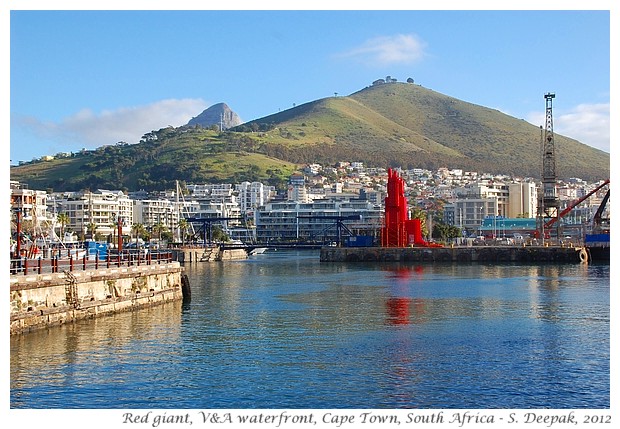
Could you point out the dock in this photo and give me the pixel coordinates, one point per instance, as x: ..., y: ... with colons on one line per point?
x: 457, y: 254
x: 207, y: 254
x: 41, y: 300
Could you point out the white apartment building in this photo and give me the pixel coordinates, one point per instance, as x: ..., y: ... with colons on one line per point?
x: 478, y: 201
x: 212, y: 209
x: 252, y: 195
x: 101, y: 208
x: 31, y: 203
x: 297, y: 193
x: 218, y: 191
x: 487, y: 189
x: 214, y: 200
x: 315, y: 221
x: 153, y: 212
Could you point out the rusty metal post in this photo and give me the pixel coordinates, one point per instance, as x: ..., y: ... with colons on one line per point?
x: 119, y: 225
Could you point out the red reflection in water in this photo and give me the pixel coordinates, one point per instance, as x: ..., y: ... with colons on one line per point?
x: 399, y: 307
x: 398, y: 311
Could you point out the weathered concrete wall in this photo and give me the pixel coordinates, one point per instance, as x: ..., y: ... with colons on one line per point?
x: 477, y: 254
x: 210, y: 254
x: 42, y: 300
x: 233, y: 254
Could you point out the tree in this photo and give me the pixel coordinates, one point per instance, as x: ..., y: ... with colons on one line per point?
x: 167, y: 235
x: 446, y: 232
x: 218, y: 234
x: 159, y: 228
x: 183, y: 228
x: 139, y: 230
x: 63, y: 220
x: 91, y: 229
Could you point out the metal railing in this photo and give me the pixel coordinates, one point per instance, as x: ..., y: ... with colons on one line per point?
x: 56, y: 263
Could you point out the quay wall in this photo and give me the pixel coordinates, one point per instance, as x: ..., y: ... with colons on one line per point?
x: 457, y: 254
x: 42, y: 300
x: 209, y: 254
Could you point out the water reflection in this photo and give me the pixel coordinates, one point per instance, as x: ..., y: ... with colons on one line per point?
x: 91, y: 352
x: 286, y: 331
x: 399, y: 302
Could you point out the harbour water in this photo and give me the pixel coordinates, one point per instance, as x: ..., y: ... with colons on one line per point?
x: 283, y: 330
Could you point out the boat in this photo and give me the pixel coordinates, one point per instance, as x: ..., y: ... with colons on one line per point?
x: 597, y: 241
x: 598, y: 246
x: 258, y: 251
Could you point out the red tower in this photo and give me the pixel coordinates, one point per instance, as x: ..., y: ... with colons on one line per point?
x: 393, y: 233
x: 398, y: 229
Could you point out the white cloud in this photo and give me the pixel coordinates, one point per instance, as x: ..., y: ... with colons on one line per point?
x: 89, y: 130
x: 388, y: 50
x: 587, y: 123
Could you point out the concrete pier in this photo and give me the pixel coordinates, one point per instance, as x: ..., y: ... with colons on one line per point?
x: 42, y: 300
x: 207, y: 254
x: 464, y: 254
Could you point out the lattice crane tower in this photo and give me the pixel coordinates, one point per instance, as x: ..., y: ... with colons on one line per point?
x: 549, y: 202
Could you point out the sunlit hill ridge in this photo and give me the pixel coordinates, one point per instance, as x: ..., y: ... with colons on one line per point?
x: 392, y: 124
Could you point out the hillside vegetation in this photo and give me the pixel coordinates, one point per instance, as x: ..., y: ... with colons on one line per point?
x: 395, y: 124
x: 399, y: 124
x: 190, y: 155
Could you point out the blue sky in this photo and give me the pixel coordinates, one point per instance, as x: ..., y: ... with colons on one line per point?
x: 82, y: 79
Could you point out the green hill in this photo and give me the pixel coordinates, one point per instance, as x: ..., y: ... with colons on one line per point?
x: 408, y: 125
x: 395, y: 124
x: 192, y: 155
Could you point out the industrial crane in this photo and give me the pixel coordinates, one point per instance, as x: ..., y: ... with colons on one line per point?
x: 598, y: 223
x: 548, y: 201
x: 547, y: 226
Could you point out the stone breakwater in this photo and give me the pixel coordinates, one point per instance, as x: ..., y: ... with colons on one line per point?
x: 465, y: 254
x: 43, y: 300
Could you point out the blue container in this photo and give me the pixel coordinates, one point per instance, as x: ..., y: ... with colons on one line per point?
x: 597, y: 238
x: 359, y: 241
x: 93, y: 248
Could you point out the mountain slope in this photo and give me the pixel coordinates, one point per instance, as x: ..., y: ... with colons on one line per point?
x: 406, y: 124
x: 189, y: 154
x: 395, y: 124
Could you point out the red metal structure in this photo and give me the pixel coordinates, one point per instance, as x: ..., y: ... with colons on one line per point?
x: 393, y: 233
x: 398, y: 229
x: 547, y: 226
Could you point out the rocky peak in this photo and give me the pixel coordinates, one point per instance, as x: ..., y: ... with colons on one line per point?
x: 218, y: 114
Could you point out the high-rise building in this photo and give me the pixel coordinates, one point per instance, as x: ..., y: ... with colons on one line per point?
x: 522, y: 200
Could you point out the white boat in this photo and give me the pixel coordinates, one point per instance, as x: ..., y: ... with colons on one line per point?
x: 258, y: 250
